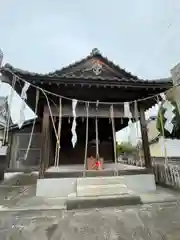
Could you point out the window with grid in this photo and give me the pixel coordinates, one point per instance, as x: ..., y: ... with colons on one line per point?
x: 34, y: 153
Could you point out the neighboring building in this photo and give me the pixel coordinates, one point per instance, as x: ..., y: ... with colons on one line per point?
x: 158, y: 145
x: 5, y: 120
x: 5, y: 117
x: 18, y: 143
x: 172, y: 146
x: 4, y: 112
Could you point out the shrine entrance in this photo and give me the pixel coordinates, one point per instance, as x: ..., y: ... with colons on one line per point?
x: 69, y: 155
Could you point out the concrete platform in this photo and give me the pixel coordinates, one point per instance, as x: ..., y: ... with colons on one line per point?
x: 109, y: 170
x: 62, y: 187
x: 80, y: 167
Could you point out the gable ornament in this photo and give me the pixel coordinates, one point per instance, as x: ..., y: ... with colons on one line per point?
x: 97, y: 68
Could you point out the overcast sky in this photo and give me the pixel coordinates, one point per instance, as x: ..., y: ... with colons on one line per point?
x: 141, y: 36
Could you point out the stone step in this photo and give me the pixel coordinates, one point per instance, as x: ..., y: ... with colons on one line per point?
x: 99, y: 180
x: 102, y: 190
x: 101, y: 202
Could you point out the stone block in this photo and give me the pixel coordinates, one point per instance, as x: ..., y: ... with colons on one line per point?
x: 101, y: 202
x: 99, y: 180
x: 102, y: 190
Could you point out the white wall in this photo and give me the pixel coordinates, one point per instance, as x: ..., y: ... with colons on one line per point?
x: 172, y: 148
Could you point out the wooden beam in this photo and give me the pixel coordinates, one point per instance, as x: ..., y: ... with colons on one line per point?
x: 74, y: 81
x: 45, y: 143
x: 103, y: 111
x: 145, y: 142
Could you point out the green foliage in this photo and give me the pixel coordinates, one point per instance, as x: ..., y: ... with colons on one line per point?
x: 125, y: 147
x: 176, y: 122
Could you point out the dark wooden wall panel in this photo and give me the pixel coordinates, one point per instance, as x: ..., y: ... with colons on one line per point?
x: 19, y: 144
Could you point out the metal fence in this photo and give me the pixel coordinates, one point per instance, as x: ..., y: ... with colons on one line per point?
x: 165, y: 174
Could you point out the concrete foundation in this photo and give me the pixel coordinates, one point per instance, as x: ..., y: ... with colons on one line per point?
x: 95, y: 186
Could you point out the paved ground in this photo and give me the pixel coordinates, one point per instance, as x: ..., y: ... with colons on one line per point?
x: 17, y: 188
x: 18, y: 193
x: 156, y: 221
x: 148, y: 222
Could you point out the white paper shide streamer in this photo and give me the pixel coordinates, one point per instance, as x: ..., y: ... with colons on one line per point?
x: 23, y: 105
x: 73, y: 129
x: 163, y: 96
x: 169, y: 115
x: 127, y: 112
x: 1, y: 57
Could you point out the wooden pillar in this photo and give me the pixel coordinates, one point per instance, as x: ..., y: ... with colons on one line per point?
x: 45, y: 143
x: 145, y: 141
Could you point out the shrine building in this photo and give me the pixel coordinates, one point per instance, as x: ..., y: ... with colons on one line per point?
x: 101, y: 89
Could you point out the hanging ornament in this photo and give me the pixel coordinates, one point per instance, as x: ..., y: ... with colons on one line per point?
x: 69, y: 120
x: 1, y: 79
x: 24, y: 91
x: 4, y: 112
x: 136, y: 112
x: 58, y: 143
x: 167, y: 105
x: 22, y: 115
x: 114, y: 137
x: 169, y: 115
x: 1, y: 57
x: 169, y: 126
x: 130, y: 124
x: 86, y: 142
x: 132, y: 132
x: 97, y: 133
x: 23, y: 105
x: 33, y: 126
x: 127, y: 112
x: 73, y: 129
x: 121, y: 120
x: 163, y: 96
x: 10, y: 100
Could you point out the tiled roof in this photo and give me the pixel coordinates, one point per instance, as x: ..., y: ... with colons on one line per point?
x: 83, y: 69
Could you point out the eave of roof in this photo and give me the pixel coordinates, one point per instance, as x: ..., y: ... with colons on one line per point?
x: 64, y: 75
x: 15, y: 126
x: 45, y: 78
